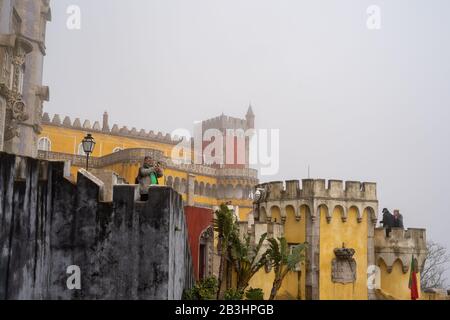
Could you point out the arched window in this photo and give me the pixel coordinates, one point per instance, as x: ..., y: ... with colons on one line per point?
x: 44, y: 144
x: 201, y: 189
x: 117, y: 149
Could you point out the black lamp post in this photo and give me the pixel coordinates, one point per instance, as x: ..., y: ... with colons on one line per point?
x: 88, y: 147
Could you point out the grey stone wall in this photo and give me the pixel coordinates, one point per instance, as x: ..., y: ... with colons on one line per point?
x: 126, y: 249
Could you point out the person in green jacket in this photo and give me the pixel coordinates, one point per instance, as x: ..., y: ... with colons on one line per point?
x: 148, y: 175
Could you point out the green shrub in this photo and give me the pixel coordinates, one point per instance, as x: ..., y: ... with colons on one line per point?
x: 254, y: 294
x: 203, y: 290
x: 233, y: 294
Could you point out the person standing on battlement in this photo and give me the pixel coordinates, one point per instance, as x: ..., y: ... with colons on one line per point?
x: 148, y: 175
x: 398, y: 219
x: 388, y: 221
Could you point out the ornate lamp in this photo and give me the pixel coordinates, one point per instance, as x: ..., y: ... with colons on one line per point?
x: 257, y: 197
x: 88, y: 147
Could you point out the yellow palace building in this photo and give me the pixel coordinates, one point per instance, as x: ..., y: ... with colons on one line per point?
x: 348, y: 257
x: 121, y: 151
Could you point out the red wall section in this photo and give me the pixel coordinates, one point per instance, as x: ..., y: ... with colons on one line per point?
x: 197, y: 219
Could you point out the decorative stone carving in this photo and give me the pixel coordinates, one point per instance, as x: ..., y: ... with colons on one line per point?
x: 343, y: 267
x: 15, y: 114
x: 208, y: 234
x: 207, y: 239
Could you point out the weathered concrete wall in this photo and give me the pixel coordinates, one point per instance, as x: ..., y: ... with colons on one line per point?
x: 126, y: 249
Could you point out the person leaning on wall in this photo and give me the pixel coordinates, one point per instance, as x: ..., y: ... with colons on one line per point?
x: 148, y: 175
x: 398, y: 219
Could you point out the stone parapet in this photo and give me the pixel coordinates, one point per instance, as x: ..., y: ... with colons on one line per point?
x: 95, y: 127
x: 318, y: 188
x: 137, y: 155
x: 400, y: 245
x: 315, y: 194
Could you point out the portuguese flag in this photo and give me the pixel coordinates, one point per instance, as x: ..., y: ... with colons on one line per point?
x: 413, y: 286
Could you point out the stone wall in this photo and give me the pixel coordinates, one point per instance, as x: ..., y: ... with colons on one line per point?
x: 22, y: 51
x: 126, y: 249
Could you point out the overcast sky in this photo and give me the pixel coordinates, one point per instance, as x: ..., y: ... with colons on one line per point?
x: 353, y: 103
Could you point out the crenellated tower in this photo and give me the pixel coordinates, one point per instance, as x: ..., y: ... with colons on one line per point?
x: 329, y: 217
x: 337, y: 220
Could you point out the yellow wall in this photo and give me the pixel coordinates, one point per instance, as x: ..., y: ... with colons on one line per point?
x: 244, y: 212
x: 332, y: 235
x: 276, y: 214
x: 295, y: 233
x: 396, y: 283
x: 67, y: 140
x: 264, y: 281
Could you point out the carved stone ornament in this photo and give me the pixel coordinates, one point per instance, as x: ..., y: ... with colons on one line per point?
x: 343, y: 267
x: 18, y: 60
x: 15, y: 114
x: 208, y: 234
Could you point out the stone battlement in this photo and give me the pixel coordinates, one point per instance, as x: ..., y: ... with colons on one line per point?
x: 318, y: 188
x: 223, y: 121
x: 400, y: 245
x: 115, y: 130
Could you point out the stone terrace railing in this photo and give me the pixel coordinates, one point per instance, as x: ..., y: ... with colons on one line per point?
x: 137, y: 155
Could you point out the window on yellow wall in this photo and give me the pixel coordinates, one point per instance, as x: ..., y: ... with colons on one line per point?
x: 44, y: 144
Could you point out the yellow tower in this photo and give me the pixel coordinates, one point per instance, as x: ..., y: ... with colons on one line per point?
x: 338, y: 221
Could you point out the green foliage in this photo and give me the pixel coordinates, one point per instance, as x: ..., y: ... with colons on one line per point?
x: 283, y: 260
x: 226, y: 228
x: 254, y: 294
x: 203, y: 290
x: 225, y: 222
x: 246, y: 259
x: 233, y: 294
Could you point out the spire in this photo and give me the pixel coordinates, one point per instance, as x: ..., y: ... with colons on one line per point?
x: 250, y: 111
x: 250, y: 117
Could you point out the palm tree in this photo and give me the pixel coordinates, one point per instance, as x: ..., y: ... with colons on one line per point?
x: 283, y: 260
x: 246, y: 259
x: 225, y: 226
